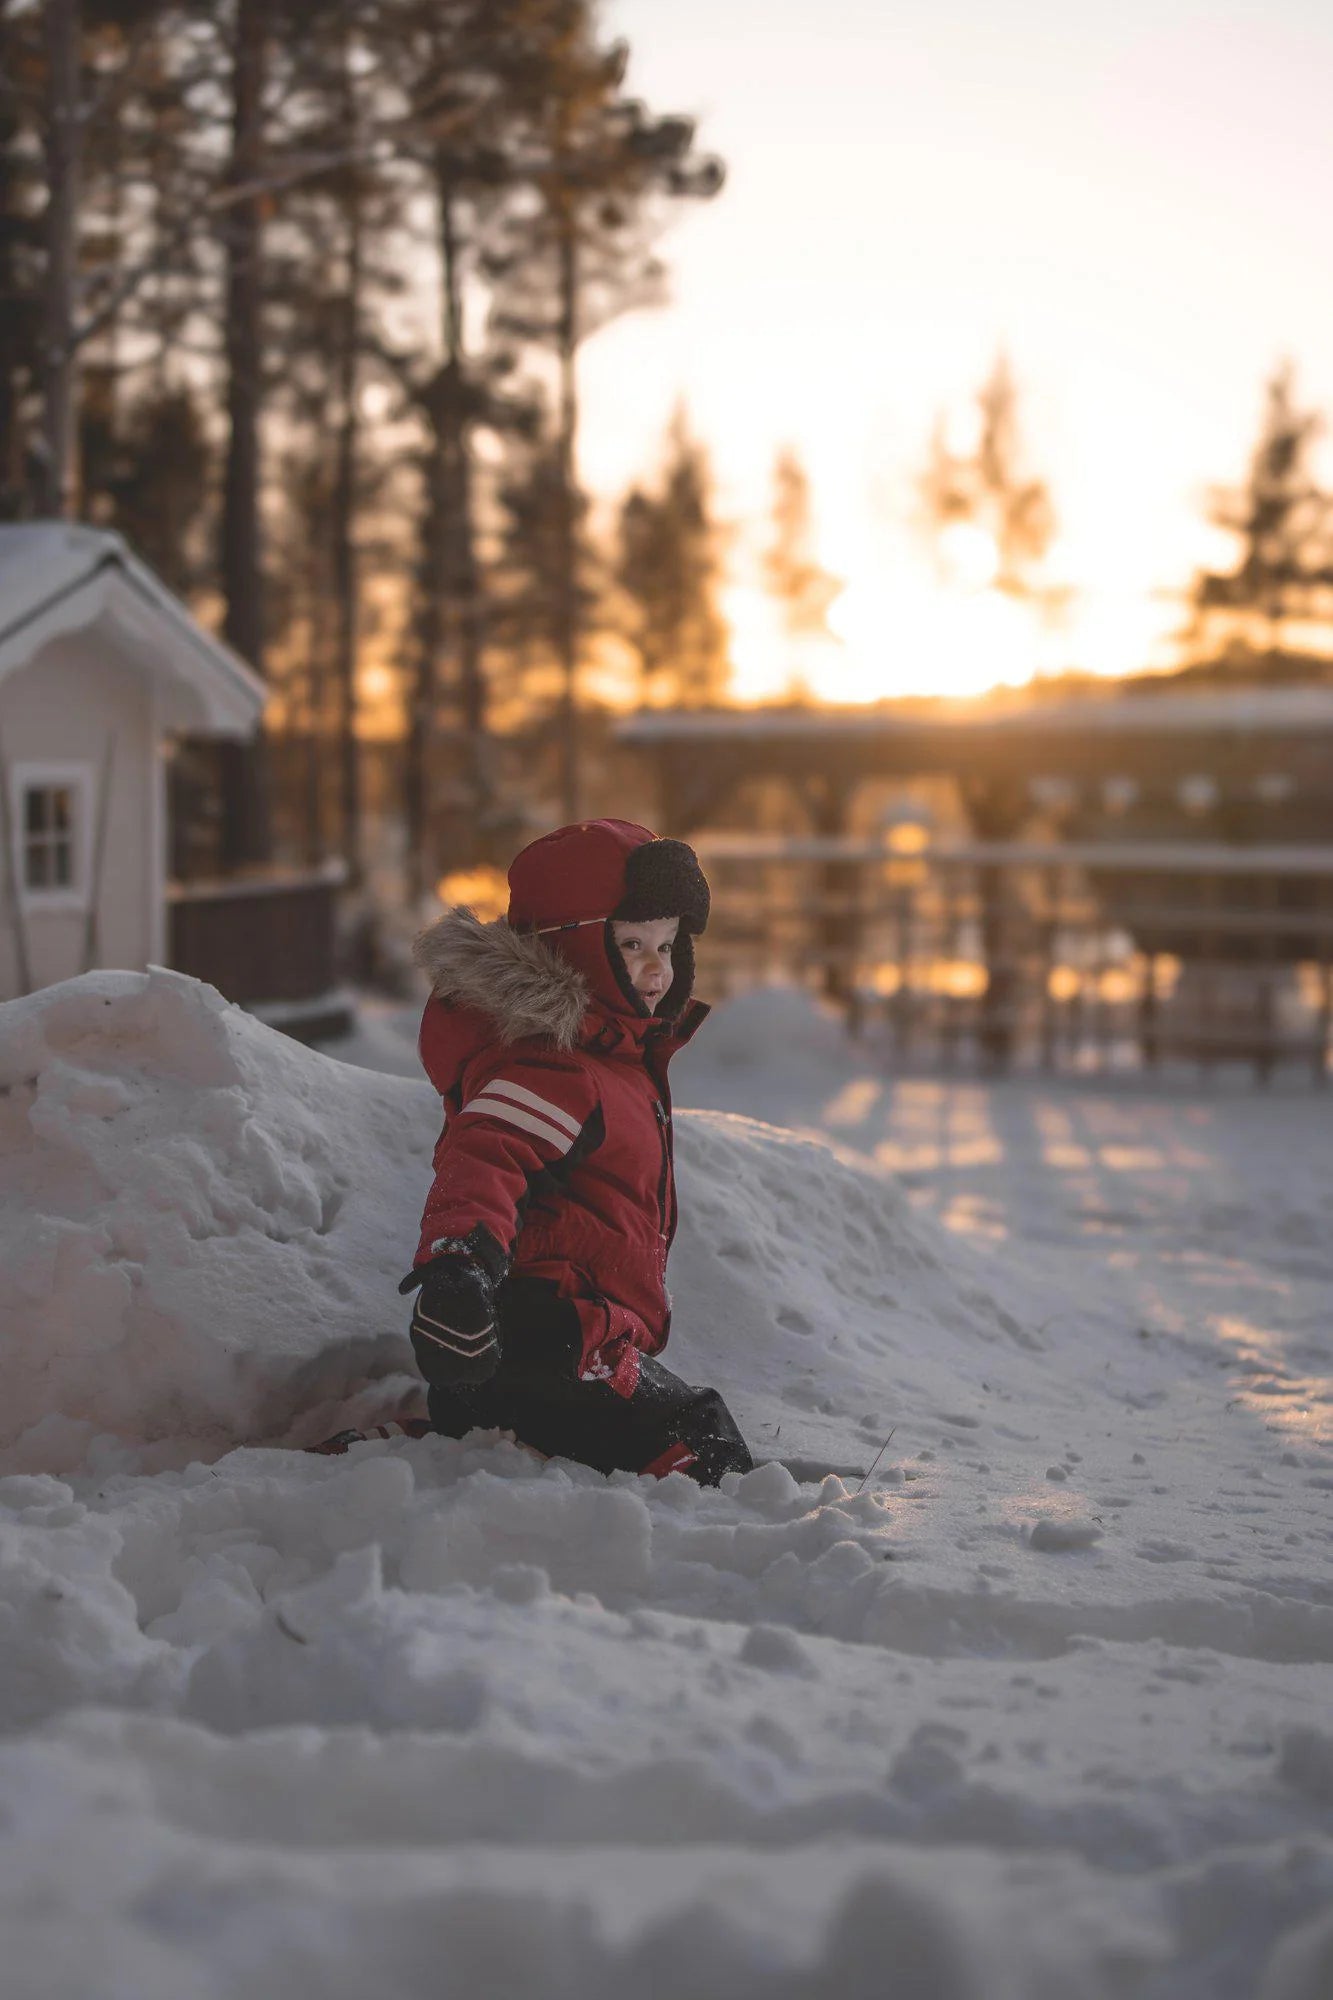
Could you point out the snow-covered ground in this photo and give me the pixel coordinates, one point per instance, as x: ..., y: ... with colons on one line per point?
x: 1042, y: 1711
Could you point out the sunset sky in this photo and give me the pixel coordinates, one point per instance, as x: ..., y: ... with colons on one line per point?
x: 1131, y: 201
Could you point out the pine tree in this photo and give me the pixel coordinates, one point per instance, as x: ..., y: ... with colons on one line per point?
x: 84, y: 65
x: 1282, y: 584
x: 460, y: 72
x: 668, y: 568
x: 150, y: 465
x: 802, y: 588
x: 528, y: 568
x: 335, y: 265
x: 986, y: 488
x: 606, y: 172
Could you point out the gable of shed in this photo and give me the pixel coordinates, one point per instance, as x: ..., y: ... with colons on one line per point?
x: 58, y: 580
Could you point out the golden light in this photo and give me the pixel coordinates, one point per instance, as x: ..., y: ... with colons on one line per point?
x: 380, y: 690
x: 484, y: 890
x: 905, y: 632
x: 1063, y: 982
x: 903, y: 874
x: 886, y: 980
x: 1116, y: 985
x: 908, y: 837
x: 959, y: 978
x: 376, y: 682
x: 970, y: 555
x: 1310, y: 981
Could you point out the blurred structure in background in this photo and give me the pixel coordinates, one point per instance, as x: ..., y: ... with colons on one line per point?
x: 1133, y: 874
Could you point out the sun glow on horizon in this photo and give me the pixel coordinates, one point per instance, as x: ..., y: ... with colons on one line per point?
x: 970, y: 555
x: 900, y: 629
x: 902, y: 634
x: 930, y: 639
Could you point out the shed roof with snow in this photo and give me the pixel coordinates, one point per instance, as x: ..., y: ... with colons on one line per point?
x: 57, y: 580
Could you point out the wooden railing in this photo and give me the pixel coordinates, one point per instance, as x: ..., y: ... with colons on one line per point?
x: 263, y: 939
x: 1080, y: 954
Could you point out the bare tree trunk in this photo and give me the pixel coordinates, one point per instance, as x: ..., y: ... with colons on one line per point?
x: 344, y: 496
x: 567, y: 606
x: 64, y: 161
x: 462, y: 580
x: 316, y: 732
x: 246, y: 833
x: 450, y: 619
x: 837, y: 929
x: 417, y: 750
x: 345, y: 590
x: 12, y: 442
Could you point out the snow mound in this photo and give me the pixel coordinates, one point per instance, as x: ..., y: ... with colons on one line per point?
x: 204, y: 1223
x: 815, y: 1295
x: 774, y: 1053
x: 777, y: 1023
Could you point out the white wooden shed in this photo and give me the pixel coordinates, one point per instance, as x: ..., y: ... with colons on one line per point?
x: 100, y: 665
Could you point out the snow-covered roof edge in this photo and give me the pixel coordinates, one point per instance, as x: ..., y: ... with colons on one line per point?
x: 57, y: 578
x: 1297, y: 710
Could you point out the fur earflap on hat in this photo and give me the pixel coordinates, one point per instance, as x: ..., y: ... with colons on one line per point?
x: 663, y: 879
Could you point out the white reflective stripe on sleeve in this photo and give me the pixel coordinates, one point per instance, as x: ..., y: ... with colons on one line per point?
x: 495, y: 1107
x: 500, y: 1086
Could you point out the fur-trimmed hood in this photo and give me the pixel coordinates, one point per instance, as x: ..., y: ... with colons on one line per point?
x: 509, y: 975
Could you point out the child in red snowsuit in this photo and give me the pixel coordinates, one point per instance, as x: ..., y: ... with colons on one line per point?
x: 541, y: 1300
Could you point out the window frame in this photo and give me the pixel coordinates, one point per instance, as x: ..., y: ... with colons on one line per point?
x: 34, y: 774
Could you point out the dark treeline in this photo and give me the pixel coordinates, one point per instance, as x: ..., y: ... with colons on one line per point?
x: 292, y: 294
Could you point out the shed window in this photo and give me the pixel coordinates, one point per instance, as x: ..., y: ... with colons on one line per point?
x: 49, y: 833
x: 48, y: 837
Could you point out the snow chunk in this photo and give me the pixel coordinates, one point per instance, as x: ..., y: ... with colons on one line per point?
x: 1301, y: 1967
x: 777, y: 1650
x: 1057, y: 1537
x: 1305, y: 1762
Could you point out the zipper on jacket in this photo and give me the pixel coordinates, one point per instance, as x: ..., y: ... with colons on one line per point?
x: 660, y: 1114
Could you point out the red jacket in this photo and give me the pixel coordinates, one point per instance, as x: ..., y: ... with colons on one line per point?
x: 557, y: 1136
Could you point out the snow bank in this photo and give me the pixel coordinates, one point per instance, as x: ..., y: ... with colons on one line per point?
x: 201, y: 1222
x: 1039, y: 1711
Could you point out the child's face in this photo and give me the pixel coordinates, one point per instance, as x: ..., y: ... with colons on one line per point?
x: 646, y: 950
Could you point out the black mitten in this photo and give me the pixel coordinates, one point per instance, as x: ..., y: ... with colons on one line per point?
x: 453, y: 1326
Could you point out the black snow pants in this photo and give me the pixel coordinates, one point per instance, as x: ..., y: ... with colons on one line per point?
x: 665, y: 1426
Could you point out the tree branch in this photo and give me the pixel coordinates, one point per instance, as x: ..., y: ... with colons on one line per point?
x: 113, y: 88
x: 220, y: 200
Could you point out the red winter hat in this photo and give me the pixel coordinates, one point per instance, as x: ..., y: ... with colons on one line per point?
x: 602, y: 868
x: 575, y: 875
